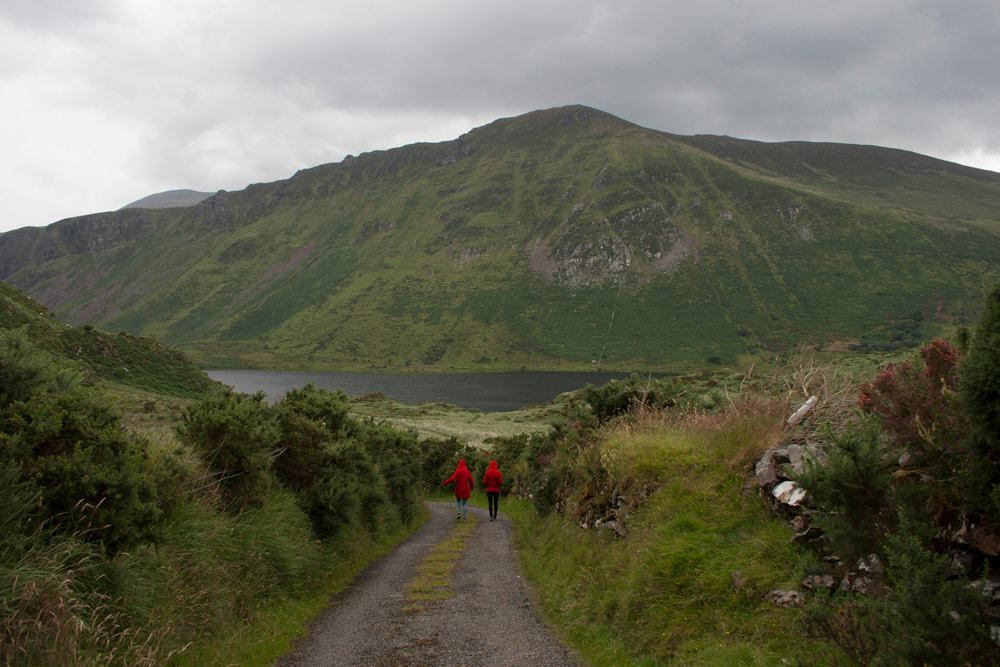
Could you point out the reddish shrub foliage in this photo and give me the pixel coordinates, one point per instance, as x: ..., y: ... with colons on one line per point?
x: 918, y: 405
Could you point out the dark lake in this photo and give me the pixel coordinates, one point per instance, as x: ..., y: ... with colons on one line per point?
x: 489, y: 392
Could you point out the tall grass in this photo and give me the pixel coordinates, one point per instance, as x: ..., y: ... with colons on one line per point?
x: 213, y: 576
x: 53, y: 609
x: 686, y: 584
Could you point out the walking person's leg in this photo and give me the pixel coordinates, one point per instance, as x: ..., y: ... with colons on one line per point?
x: 458, y: 508
x: 492, y: 498
x: 465, y: 504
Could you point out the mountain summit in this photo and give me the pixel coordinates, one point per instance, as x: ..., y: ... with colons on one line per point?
x: 563, y: 238
x: 170, y: 199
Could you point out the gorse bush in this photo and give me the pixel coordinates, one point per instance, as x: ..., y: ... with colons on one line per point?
x: 928, y: 616
x: 853, y: 492
x: 980, y: 383
x: 67, y: 453
x: 620, y: 396
x: 236, y: 435
x: 346, y: 474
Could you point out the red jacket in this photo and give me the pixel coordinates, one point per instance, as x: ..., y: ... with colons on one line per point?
x: 493, y: 479
x: 462, y: 479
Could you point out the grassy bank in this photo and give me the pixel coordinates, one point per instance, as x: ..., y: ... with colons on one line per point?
x: 686, y: 584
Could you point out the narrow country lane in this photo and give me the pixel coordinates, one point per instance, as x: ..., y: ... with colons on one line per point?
x: 488, y: 621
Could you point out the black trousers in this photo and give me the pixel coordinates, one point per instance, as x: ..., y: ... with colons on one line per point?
x: 493, y: 500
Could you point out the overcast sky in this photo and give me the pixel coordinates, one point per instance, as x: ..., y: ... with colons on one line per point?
x: 103, y: 102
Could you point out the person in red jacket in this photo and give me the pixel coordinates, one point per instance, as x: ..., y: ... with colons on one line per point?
x: 491, y: 482
x: 462, y: 479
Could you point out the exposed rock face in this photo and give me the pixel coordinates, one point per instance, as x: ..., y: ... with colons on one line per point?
x: 92, y: 233
x: 85, y: 234
x: 460, y: 148
x: 215, y: 211
x: 594, y: 252
x: 17, y: 248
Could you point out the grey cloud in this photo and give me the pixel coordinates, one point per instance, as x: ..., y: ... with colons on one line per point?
x: 220, y: 95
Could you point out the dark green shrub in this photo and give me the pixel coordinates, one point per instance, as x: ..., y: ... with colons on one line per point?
x: 26, y: 370
x: 619, y: 396
x: 438, y: 459
x: 67, y: 454
x: 347, y: 489
x: 980, y: 379
x: 609, y: 400
x: 329, y: 409
x: 852, y: 493
x: 236, y: 435
x: 395, y: 455
x: 928, y: 616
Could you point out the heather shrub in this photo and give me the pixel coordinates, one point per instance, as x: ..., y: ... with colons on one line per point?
x: 924, y: 416
x: 917, y: 404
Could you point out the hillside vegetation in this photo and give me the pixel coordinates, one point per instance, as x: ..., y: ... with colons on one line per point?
x: 131, y: 363
x: 561, y: 239
x: 123, y: 548
x: 643, y: 524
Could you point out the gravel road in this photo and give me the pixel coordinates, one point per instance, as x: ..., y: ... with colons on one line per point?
x: 489, y: 621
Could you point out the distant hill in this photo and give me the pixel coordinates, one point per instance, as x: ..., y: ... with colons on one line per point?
x: 139, y: 363
x: 561, y: 239
x: 170, y: 199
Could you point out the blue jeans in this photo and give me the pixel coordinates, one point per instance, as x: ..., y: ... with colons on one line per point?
x: 460, y: 506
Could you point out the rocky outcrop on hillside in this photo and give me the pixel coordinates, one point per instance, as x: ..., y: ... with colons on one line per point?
x: 73, y: 236
x: 18, y: 249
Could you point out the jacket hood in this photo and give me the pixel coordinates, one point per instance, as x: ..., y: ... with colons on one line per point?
x: 461, y: 464
x: 493, y: 465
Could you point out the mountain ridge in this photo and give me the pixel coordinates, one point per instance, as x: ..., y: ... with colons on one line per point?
x: 562, y: 238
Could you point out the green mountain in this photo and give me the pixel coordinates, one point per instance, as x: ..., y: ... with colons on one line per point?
x: 119, y: 359
x: 564, y: 238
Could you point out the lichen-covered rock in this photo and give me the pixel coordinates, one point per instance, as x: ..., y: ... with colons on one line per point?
x: 782, y: 598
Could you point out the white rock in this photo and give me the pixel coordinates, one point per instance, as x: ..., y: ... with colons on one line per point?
x: 789, y: 493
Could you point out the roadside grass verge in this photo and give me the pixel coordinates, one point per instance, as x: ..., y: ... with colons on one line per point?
x: 220, y: 588
x: 270, y: 633
x: 686, y: 585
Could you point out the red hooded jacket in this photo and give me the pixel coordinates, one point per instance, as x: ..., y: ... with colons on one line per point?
x: 462, y: 479
x: 493, y: 479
